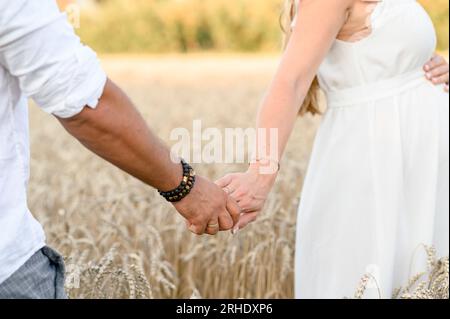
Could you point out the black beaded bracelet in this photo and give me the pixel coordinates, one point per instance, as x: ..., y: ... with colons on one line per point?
x: 185, y: 186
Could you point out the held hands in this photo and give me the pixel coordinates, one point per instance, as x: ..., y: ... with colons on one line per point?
x: 208, y: 209
x: 238, y: 198
x: 437, y: 71
x: 250, y: 190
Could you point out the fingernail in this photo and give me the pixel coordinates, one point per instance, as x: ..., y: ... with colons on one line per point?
x: 427, y: 67
x: 235, y: 230
x: 428, y: 75
x: 192, y: 229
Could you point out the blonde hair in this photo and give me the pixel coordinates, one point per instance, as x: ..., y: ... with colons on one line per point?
x: 311, y: 102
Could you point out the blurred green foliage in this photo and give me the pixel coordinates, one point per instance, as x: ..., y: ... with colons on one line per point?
x: 154, y: 26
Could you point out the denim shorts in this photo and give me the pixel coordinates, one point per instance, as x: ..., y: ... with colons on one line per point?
x: 41, y: 277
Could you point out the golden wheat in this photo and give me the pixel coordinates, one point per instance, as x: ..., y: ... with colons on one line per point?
x: 121, y: 240
x: 433, y: 283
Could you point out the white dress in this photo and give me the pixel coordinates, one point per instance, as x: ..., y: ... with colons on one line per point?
x: 377, y: 182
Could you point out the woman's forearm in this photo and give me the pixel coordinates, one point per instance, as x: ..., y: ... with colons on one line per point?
x: 279, y: 111
x: 310, y: 41
x: 318, y: 23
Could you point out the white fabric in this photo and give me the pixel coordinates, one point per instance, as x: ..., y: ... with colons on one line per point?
x: 377, y: 183
x: 40, y: 58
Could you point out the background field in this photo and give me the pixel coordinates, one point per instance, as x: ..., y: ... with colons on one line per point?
x: 120, y: 238
x: 199, y: 25
x: 88, y: 207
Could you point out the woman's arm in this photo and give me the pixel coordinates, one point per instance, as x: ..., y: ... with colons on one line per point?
x: 318, y: 23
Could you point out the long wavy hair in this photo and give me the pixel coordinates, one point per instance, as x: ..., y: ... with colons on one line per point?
x: 311, y: 102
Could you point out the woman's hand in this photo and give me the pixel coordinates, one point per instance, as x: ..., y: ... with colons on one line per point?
x: 437, y: 71
x: 250, y: 190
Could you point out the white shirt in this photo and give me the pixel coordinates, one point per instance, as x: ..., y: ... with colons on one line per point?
x: 40, y: 58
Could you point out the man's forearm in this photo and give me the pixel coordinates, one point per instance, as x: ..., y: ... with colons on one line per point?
x: 117, y: 132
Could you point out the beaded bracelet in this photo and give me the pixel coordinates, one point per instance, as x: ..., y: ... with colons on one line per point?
x: 185, y: 186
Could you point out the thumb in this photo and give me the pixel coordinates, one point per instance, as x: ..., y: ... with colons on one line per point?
x: 234, y: 210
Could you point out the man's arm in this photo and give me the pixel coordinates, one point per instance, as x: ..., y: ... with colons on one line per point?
x: 41, y: 52
x: 115, y: 131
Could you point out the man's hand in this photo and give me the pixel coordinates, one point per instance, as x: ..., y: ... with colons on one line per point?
x: 208, y: 209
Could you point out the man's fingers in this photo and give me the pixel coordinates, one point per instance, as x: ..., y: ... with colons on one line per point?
x: 247, y: 219
x: 194, y: 229
x: 197, y: 229
x: 234, y: 210
x: 213, y: 227
x: 225, y: 221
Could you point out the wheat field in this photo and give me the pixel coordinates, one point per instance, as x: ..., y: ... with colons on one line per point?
x: 120, y: 239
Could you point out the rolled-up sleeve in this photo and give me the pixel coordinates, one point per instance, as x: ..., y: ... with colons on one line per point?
x: 40, y: 48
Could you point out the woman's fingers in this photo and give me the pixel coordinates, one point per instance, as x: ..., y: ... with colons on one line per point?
x: 238, y: 193
x: 246, y: 219
x: 443, y: 79
x: 436, y: 61
x: 439, y: 71
x: 228, y: 183
x: 224, y: 181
